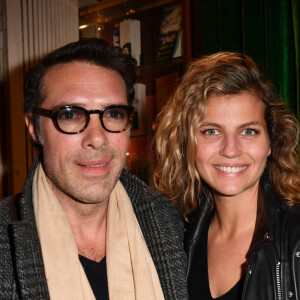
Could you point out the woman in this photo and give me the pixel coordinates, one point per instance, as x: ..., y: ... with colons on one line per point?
x: 228, y: 158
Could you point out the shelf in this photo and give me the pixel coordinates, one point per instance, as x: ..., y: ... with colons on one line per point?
x: 148, y: 73
x: 108, y: 10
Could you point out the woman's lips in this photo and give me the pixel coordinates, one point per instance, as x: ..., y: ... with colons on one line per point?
x: 231, y: 169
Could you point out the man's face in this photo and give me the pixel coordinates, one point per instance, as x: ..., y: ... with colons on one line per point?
x: 86, y: 166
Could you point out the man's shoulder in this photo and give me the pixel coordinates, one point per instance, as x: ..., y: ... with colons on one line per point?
x: 5, y: 201
x: 150, y: 205
x: 5, y: 208
x: 140, y: 191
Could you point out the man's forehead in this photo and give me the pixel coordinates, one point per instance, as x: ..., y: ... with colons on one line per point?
x: 77, y: 64
x: 80, y: 72
x: 75, y: 82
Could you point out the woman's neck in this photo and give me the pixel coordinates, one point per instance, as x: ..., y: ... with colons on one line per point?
x: 235, y: 215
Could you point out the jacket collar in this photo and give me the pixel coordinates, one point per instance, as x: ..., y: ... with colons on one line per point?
x: 196, y: 221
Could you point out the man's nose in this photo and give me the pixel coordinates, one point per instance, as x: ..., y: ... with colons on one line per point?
x: 94, y: 136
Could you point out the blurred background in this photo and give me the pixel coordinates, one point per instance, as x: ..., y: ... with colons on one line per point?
x: 163, y: 35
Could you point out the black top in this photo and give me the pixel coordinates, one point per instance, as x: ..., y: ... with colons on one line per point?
x: 198, y: 285
x: 96, y: 274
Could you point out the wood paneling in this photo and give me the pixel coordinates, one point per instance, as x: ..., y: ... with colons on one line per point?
x: 34, y: 28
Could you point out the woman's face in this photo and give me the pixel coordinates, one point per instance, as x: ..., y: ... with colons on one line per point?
x: 233, y: 144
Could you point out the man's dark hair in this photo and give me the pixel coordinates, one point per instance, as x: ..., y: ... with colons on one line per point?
x: 94, y: 51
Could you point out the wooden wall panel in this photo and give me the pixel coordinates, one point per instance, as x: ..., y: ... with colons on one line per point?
x: 1, y: 96
x: 34, y: 28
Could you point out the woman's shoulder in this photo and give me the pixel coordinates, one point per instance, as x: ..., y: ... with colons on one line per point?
x: 292, y: 210
x: 291, y: 217
x: 286, y: 227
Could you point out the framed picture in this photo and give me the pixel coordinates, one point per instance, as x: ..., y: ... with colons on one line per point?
x: 169, y: 45
x: 139, y: 122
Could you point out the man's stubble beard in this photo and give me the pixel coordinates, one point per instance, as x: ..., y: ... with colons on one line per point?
x: 91, y: 190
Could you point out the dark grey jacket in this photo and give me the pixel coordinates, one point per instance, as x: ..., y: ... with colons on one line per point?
x: 21, y: 265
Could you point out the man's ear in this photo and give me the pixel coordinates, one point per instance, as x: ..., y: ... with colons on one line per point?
x: 31, y: 128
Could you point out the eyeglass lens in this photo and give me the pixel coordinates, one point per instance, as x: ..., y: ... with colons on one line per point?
x: 72, y: 120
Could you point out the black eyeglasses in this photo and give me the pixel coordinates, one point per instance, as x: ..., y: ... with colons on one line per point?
x: 75, y: 119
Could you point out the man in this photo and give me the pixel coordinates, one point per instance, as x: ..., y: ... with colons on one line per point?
x: 83, y: 227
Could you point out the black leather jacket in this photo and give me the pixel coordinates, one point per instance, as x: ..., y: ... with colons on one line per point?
x: 273, y: 266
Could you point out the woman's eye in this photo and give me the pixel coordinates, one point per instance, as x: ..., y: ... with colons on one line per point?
x: 249, y: 131
x: 210, y: 132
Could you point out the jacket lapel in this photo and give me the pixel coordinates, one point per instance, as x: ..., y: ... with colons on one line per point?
x: 28, y: 261
x: 26, y: 250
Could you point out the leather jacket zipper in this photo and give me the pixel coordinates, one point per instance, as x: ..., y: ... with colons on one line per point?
x: 278, y: 281
x: 249, y: 271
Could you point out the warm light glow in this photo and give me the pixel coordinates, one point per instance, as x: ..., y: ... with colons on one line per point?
x: 131, y: 11
x: 83, y: 26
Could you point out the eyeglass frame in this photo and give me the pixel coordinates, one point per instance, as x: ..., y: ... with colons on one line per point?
x: 53, y: 113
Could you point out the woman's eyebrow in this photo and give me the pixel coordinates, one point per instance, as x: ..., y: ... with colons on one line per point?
x: 213, y: 124
x: 252, y: 123
x: 207, y: 124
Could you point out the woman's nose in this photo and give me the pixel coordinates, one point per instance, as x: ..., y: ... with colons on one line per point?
x: 230, y: 146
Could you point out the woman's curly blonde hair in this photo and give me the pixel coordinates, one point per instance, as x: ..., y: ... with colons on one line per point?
x: 222, y: 73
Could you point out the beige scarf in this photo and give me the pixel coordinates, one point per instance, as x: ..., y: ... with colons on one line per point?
x: 131, y: 273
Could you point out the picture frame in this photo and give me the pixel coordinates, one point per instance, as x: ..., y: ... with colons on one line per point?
x: 140, y: 121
